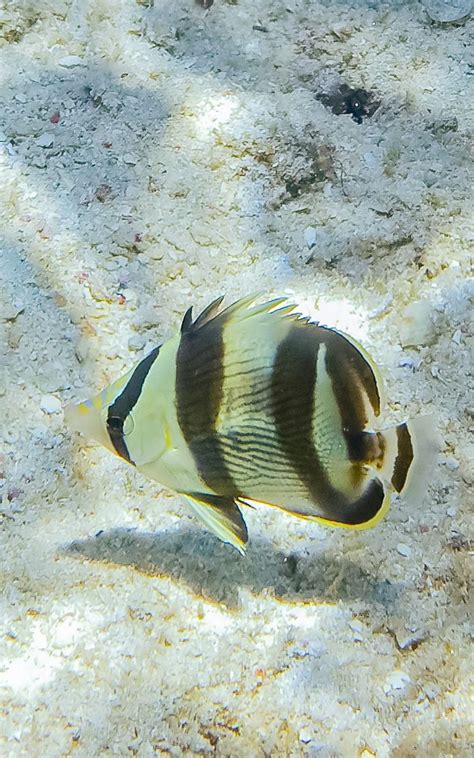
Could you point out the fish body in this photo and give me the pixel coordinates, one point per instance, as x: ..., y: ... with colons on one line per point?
x: 255, y: 403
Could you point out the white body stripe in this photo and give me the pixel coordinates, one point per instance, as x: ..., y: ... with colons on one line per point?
x: 156, y: 444
x: 249, y: 354
x: 328, y: 436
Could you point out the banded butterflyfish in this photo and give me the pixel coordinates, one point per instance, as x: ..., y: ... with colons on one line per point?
x: 258, y: 404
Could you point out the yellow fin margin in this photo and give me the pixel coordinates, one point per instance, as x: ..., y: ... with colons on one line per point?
x: 383, y: 510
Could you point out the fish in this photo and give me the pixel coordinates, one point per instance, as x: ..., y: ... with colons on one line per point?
x: 257, y: 404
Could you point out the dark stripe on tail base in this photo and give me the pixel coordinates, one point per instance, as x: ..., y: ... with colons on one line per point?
x: 365, y: 447
x: 123, y: 404
x: 404, y: 458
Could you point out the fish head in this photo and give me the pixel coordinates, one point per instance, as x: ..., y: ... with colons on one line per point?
x: 91, y: 417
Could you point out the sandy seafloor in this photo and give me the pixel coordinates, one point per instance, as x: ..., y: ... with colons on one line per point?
x: 189, y: 158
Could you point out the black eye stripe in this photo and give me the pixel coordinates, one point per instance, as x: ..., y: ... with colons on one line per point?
x: 123, y: 404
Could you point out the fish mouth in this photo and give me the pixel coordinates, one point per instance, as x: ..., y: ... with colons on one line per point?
x: 85, y: 419
x: 71, y: 416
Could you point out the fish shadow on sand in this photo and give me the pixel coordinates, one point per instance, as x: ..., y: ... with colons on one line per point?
x: 215, y: 572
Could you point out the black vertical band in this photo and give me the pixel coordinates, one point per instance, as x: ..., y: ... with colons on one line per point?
x: 123, y: 404
x: 199, y: 390
x: 404, y: 458
x: 351, y: 376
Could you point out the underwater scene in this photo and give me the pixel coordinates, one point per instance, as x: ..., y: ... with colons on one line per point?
x: 236, y: 378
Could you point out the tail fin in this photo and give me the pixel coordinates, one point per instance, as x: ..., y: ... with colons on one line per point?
x: 409, y: 456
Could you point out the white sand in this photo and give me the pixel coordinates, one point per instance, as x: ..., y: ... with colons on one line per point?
x: 126, y: 628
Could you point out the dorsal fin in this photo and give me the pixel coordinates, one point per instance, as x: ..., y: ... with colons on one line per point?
x: 209, y: 313
x: 241, y: 310
x: 239, y: 305
x: 187, y: 322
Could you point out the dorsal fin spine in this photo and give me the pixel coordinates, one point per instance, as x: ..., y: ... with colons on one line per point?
x: 242, y: 309
x: 210, y: 312
x: 187, y: 322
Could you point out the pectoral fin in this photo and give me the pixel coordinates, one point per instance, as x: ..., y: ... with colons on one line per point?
x: 221, y: 516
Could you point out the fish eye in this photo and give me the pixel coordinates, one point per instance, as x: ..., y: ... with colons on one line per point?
x: 115, y: 423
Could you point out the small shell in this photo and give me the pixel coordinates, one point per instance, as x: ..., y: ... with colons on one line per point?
x: 448, y: 11
x: 403, y: 549
x: 397, y: 680
x: 310, y: 236
x: 45, y: 140
x: 50, y: 404
x: 71, y: 61
x: 418, y: 325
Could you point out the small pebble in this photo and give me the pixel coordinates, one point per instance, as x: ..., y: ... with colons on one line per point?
x: 130, y: 159
x: 357, y: 629
x: 71, y: 61
x: 451, y: 463
x: 451, y: 512
x: 403, y: 549
x: 408, y: 640
x: 310, y: 236
x: 397, y: 680
x: 449, y: 11
x: 45, y: 140
x: 136, y: 342
x: 50, y: 404
x: 418, y: 327
x: 305, y: 735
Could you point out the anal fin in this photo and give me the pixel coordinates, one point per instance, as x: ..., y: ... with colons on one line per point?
x: 222, y: 516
